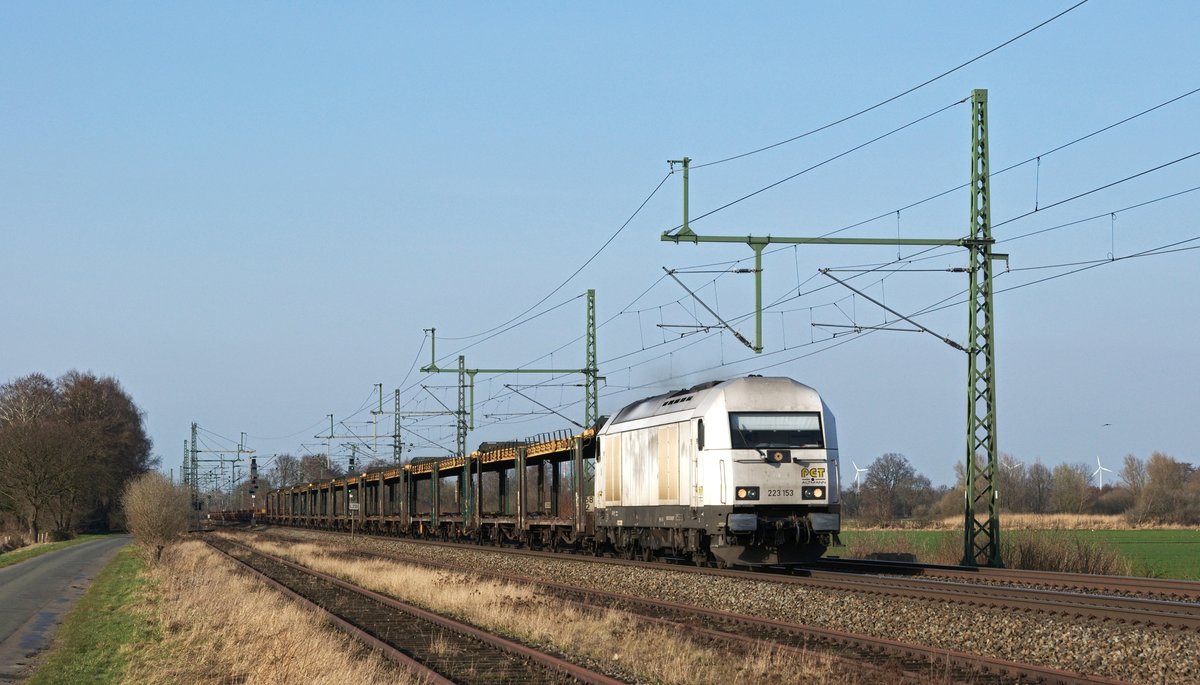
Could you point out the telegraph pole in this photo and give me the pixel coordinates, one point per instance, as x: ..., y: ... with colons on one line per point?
x: 981, y: 535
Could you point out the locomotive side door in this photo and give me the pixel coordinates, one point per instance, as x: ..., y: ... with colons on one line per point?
x: 693, y: 444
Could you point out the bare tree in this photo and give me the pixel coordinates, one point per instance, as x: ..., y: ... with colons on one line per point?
x: 156, y: 511
x: 1165, y: 498
x: 893, y: 488
x: 67, y: 448
x: 315, y: 467
x: 113, y: 445
x: 32, y: 459
x: 31, y: 448
x: 1040, y: 482
x: 377, y: 464
x: 1070, y: 489
x: 28, y: 398
x: 1011, y: 483
x: 1133, y: 474
x: 286, y: 471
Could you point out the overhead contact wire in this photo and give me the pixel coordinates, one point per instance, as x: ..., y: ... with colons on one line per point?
x: 893, y: 98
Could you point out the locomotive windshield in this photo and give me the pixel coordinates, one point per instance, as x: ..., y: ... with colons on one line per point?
x: 753, y: 430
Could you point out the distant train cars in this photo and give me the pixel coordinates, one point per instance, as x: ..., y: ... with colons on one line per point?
x: 743, y: 471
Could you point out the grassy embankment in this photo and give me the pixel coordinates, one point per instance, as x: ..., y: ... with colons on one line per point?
x: 196, y: 618
x: 1171, y: 552
x: 94, y: 643
x: 31, y: 551
x: 632, y: 649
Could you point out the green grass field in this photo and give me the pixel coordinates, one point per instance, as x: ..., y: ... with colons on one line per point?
x: 1159, y: 553
x: 19, y: 555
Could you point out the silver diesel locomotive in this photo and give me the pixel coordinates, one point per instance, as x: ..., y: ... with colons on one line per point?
x: 743, y: 471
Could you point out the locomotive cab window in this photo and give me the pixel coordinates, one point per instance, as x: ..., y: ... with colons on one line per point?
x: 754, y: 430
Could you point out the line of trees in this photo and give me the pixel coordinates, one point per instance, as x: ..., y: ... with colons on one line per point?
x: 1157, y: 490
x: 67, y: 448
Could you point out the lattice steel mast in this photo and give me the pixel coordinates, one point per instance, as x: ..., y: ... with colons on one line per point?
x: 981, y: 536
x: 466, y: 380
x: 981, y: 541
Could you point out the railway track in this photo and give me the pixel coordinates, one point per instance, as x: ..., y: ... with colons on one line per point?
x: 1162, y: 588
x: 1072, y: 604
x: 436, y: 649
x: 905, y: 661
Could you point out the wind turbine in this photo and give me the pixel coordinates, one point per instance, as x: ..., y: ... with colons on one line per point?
x: 1100, y: 472
x: 857, y: 472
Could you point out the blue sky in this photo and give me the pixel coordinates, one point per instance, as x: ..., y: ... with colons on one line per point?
x: 248, y: 212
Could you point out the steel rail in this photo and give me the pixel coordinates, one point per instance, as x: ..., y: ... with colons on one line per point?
x: 522, y: 653
x: 1074, y: 605
x: 422, y: 672
x: 1132, y: 610
x: 1164, y: 587
x: 919, y: 662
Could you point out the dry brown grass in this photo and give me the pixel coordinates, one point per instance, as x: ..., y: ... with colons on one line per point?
x: 221, y: 626
x: 615, y: 640
x: 1036, y: 549
x: 1044, y: 550
x: 1013, y: 521
x: 1055, y: 522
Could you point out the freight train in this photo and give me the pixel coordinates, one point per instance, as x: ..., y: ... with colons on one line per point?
x: 735, y: 472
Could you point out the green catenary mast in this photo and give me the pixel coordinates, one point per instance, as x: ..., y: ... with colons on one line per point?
x: 466, y: 380
x: 981, y: 535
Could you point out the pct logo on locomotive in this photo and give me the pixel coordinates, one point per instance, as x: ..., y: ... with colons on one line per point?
x: 812, y: 474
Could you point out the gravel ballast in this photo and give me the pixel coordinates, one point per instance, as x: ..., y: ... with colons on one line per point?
x: 1131, y: 653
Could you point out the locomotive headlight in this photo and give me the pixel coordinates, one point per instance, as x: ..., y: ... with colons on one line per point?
x: 779, y: 456
x: 818, y: 493
x: 746, y: 492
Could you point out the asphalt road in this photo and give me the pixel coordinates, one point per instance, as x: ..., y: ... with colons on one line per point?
x: 36, y: 594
